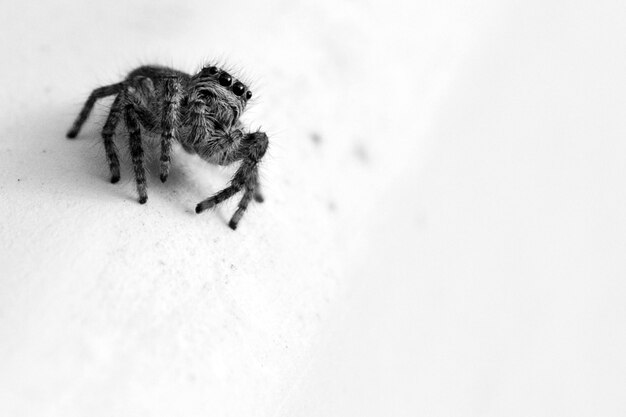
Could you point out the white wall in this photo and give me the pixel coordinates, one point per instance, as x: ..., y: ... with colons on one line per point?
x: 451, y: 243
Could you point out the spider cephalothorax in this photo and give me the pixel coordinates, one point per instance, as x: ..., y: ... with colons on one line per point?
x: 199, y: 111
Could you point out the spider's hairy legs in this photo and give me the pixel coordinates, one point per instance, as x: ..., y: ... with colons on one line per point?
x: 197, y: 121
x: 173, y: 94
x: 107, y: 136
x: 136, y: 151
x: 246, y: 177
x: 96, y: 94
x: 243, y: 203
x: 143, y: 114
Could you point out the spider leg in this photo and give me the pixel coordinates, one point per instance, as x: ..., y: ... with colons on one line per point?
x: 251, y: 192
x: 96, y: 94
x: 171, y: 106
x: 111, y: 124
x: 241, y: 208
x: 197, y: 121
x: 224, y: 146
x: 257, y: 194
x: 255, y: 145
x: 215, y: 199
x: 136, y: 150
x: 146, y: 118
x: 107, y: 136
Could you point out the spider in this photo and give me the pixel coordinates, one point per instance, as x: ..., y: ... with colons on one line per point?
x: 199, y: 111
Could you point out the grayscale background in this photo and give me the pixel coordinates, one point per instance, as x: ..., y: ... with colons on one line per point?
x: 443, y: 233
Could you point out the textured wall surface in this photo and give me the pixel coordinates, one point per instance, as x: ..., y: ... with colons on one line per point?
x: 443, y: 232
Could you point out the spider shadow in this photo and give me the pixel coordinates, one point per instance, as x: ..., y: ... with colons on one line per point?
x: 190, y: 179
x: 52, y: 164
x: 83, y: 159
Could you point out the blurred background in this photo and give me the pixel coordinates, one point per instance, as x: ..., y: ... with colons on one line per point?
x: 443, y: 232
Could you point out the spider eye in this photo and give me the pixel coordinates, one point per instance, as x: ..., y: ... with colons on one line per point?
x: 238, y: 88
x: 225, y: 79
x: 212, y: 70
x: 248, y: 95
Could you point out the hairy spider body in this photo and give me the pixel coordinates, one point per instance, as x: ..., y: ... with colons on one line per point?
x: 199, y: 111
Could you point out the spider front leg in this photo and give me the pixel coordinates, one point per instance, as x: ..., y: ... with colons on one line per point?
x: 197, y: 120
x: 245, y: 200
x: 254, y: 146
x: 107, y: 90
x: 171, y: 107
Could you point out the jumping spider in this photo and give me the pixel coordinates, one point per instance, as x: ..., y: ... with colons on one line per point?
x: 199, y: 111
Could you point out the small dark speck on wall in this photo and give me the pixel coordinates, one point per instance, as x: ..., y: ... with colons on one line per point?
x: 316, y: 138
x: 361, y: 153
